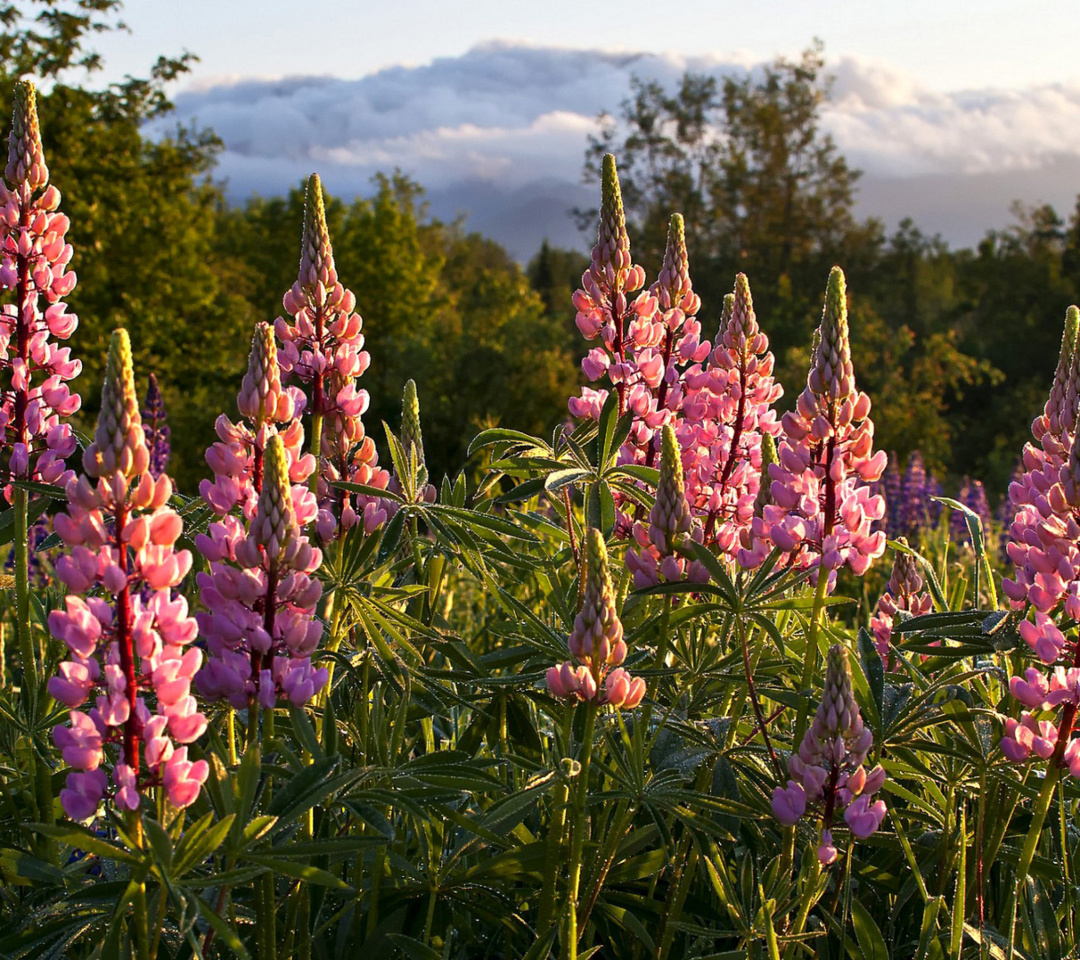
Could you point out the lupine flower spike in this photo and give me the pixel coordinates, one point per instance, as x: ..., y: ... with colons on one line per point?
x: 904, y: 592
x: 268, y: 410
x: 727, y: 411
x: 1045, y: 566
x: 260, y: 597
x: 823, y: 508
x: 645, y: 344
x: 323, y: 348
x: 596, y: 642
x: 655, y: 558
x: 1052, y: 530
x: 156, y: 429
x: 827, y: 772
x: 34, y: 258
x: 412, y: 445
x: 130, y: 641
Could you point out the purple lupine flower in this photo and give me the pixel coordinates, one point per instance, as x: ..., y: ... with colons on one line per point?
x: 37, y: 576
x: 891, y: 486
x: 914, y: 499
x: 156, y: 429
x: 1004, y: 514
x: 973, y: 496
x: 827, y: 770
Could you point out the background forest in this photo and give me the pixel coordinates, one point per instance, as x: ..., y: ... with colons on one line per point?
x: 955, y: 346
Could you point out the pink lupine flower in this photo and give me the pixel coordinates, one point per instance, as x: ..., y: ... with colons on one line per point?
x: 644, y: 345
x: 823, y: 508
x: 34, y: 258
x: 596, y: 642
x: 827, y: 770
x: 122, y: 534
x: 1044, y: 563
x: 260, y: 599
x: 323, y: 348
x: 1045, y: 551
x: 268, y: 410
x: 904, y: 592
x: 726, y: 413
x: 654, y: 559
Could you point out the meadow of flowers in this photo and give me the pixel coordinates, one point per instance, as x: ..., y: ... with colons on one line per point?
x: 697, y: 676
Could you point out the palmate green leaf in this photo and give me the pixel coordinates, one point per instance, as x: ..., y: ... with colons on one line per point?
x: 493, y: 435
x: 867, y: 933
x: 483, y: 524
x: 309, y: 786
x: 523, y: 491
x: 199, y: 841
x: 298, y: 871
x: 83, y: 839
x: 367, y: 490
x: 556, y: 480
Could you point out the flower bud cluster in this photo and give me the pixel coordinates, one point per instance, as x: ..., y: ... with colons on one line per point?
x: 644, y: 344
x: 904, y: 592
x: 654, y: 558
x: 726, y: 411
x: 34, y: 259
x: 827, y: 770
x: 130, y: 641
x: 596, y: 642
x: 324, y: 348
x: 260, y: 594
x: 823, y: 507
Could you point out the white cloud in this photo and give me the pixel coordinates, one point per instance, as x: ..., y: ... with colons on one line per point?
x: 509, y: 122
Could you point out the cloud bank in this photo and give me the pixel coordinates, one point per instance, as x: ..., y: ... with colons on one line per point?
x: 499, y: 133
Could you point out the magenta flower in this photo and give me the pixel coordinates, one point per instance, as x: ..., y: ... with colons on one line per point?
x: 727, y: 410
x: 904, y: 592
x: 268, y: 410
x: 133, y: 650
x: 827, y: 771
x: 1046, y: 564
x: 644, y: 344
x: 260, y: 599
x: 1047, y: 571
x: 34, y: 258
x: 823, y: 509
x: 323, y: 348
x: 596, y: 642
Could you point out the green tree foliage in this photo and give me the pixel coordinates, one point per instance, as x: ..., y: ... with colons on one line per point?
x: 443, y: 307
x: 765, y: 191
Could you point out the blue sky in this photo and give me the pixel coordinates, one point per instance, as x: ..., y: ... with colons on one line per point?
x: 953, y: 110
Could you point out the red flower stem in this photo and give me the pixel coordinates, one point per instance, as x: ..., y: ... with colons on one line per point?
x: 125, y: 644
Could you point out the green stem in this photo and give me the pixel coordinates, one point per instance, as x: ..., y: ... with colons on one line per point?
x: 577, y: 843
x: 1031, y: 842
x: 555, y: 842
x: 807, y: 899
x: 316, y: 450
x: 810, y: 659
